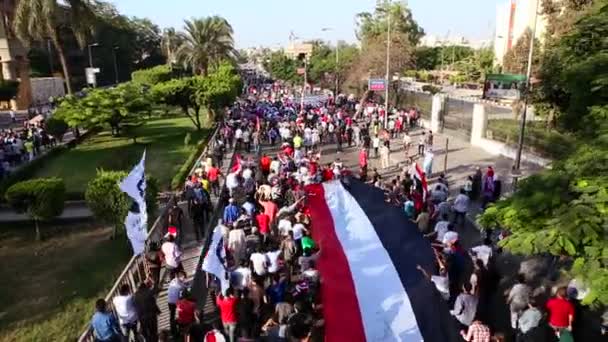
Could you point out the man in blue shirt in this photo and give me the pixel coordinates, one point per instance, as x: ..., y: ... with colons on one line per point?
x: 104, y: 325
x: 231, y: 212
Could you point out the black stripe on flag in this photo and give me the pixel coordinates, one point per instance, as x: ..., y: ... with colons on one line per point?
x: 407, y: 248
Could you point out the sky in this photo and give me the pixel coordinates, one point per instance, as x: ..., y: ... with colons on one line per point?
x: 269, y: 22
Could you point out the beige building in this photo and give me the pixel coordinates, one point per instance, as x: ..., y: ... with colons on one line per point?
x: 13, y: 57
x: 296, y: 49
x: 513, y: 18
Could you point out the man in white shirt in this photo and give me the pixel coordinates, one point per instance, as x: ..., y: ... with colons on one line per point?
x: 518, y: 299
x: 238, y: 136
x: 241, y: 276
x: 441, y: 281
x: 125, y: 310
x: 176, y: 286
x: 232, y: 182
x: 284, y: 226
x: 441, y: 228
x: 172, y: 254
x: 461, y: 205
x: 237, y: 244
x: 259, y: 262
x: 465, y: 306
x: 376, y: 145
x: 273, y: 261
x: 483, y: 252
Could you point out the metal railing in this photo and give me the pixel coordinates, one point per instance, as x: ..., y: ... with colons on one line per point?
x: 136, y: 270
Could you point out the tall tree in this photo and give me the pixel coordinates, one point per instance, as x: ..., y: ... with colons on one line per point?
x: 170, y: 42
x: 372, y: 25
x: 42, y: 19
x: 207, y: 41
x: 146, y: 43
x: 516, y: 59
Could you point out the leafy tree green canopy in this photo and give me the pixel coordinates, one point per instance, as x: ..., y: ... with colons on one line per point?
x: 152, y: 76
x: 563, y: 211
x: 109, y: 106
x: 42, y: 199
x: 372, y: 25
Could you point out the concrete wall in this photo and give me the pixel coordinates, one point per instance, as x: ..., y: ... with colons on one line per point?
x: 478, y: 132
x: 45, y: 87
x: 478, y: 139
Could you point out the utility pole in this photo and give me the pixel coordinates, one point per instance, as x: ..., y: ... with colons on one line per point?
x: 114, y: 49
x: 522, y: 127
x: 305, y: 81
x: 337, y: 68
x: 388, y: 60
x: 50, y: 51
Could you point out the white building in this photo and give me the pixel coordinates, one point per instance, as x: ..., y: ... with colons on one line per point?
x: 513, y: 18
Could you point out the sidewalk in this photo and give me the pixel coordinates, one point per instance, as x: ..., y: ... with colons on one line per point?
x: 73, y: 210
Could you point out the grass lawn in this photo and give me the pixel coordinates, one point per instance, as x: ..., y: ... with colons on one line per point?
x: 49, y: 288
x: 163, y: 139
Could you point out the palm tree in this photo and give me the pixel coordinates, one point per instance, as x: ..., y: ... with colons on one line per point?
x: 169, y: 43
x: 43, y: 19
x: 207, y: 41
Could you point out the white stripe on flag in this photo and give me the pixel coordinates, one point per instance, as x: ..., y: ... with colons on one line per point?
x: 214, y: 260
x: 385, y: 307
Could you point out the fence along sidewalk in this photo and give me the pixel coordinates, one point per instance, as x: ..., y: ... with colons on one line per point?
x: 136, y: 270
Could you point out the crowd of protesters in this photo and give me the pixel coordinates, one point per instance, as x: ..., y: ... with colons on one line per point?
x: 18, y: 146
x: 268, y: 235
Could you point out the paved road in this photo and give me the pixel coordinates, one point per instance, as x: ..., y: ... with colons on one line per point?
x: 191, y: 258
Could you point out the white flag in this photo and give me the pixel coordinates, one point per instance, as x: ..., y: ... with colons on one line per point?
x: 136, y: 222
x: 136, y: 231
x: 135, y: 183
x: 215, y: 259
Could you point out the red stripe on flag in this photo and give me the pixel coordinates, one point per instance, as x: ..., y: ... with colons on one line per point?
x: 422, y: 177
x: 343, y: 320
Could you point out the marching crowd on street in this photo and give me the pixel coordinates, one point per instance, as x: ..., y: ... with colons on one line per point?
x: 274, y: 292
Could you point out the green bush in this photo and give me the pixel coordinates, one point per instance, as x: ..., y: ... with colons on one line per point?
x: 152, y: 76
x: 56, y: 127
x: 109, y: 204
x: 42, y: 199
x: 184, y: 170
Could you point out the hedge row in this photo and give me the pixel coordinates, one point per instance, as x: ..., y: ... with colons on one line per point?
x: 184, y: 170
x: 538, y: 139
x: 27, y: 170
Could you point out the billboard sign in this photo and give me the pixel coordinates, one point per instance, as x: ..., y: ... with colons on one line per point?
x: 376, y: 84
x: 503, y: 86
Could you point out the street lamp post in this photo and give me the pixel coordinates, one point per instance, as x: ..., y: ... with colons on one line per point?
x: 522, y: 127
x: 114, y: 49
x: 388, y: 60
x: 325, y: 29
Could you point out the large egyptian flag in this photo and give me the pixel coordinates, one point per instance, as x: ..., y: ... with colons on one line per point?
x: 371, y: 289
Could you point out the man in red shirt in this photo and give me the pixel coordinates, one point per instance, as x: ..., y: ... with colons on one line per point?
x: 227, y: 306
x: 561, y: 311
x: 263, y: 221
x: 363, y: 159
x: 265, y: 164
x: 185, y: 309
x: 328, y: 173
x: 213, y: 175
